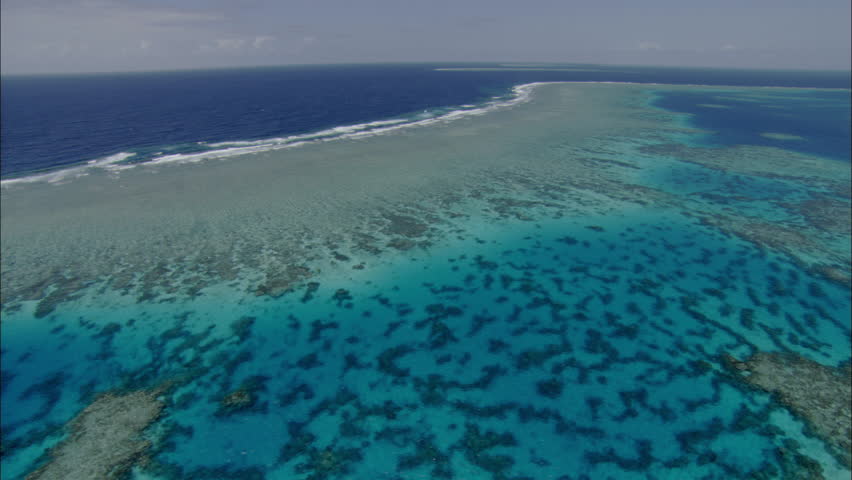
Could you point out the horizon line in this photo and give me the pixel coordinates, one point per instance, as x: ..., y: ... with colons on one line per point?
x: 521, y: 65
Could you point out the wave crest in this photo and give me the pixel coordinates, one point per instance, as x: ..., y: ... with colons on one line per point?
x: 109, y: 163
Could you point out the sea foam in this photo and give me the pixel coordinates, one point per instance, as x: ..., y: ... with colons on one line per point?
x: 520, y: 94
x: 109, y: 163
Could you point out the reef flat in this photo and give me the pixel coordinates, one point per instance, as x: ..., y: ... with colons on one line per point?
x: 547, y: 290
x: 816, y: 392
x: 105, y: 438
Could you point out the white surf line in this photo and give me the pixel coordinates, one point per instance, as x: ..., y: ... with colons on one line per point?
x: 521, y: 94
x: 79, y: 170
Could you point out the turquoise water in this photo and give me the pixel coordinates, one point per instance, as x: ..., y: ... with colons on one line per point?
x: 533, y: 293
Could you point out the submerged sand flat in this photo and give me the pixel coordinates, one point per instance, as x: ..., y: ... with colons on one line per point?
x: 547, y: 290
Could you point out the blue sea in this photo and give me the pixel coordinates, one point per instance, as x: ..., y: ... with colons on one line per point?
x: 426, y: 271
x: 55, y: 121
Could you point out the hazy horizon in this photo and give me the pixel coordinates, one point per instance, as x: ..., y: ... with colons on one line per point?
x: 91, y: 36
x: 435, y: 63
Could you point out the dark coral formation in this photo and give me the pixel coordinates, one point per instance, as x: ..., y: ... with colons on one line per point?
x: 477, y: 445
x: 245, y: 398
x: 242, y: 328
x: 427, y: 453
x: 328, y: 463
x: 235, y: 401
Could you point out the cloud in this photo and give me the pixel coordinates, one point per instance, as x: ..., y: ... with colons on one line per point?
x: 260, y: 40
x: 130, y: 13
x: 112, y: 35
x: 168, y: 17
x: 230, y: 43
x: 649, y: 46
x: 235, y: 44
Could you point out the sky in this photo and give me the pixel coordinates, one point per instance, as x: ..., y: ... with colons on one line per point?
x: 65, y: 36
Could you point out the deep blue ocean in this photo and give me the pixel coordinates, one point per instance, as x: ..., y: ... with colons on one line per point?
x: 821, y: 118
x: 55, y: 121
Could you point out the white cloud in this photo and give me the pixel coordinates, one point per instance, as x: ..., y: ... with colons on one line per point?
x: 230, y: 43
x: 260, y: 40
x: 130, y: 11
x: 165, y: 17
x: 112, y: 35
x: 649, y: 46
x: 233, y: 44
x: 97, y: 4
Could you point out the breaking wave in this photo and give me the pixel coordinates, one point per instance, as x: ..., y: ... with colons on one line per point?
x: 109, y: 163
x: 206, y: 151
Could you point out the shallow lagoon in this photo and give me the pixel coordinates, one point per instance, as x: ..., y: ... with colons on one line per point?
x: 544, y: 291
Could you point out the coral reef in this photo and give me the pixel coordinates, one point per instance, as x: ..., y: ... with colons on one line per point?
x: 105, y: 439
x: 279, y: 282
x: 794, y: 242
x: 819, y: 394
x: 244, y: 399
x: 328, y: 462
x: 587, y: 300
x: 475, y: 445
